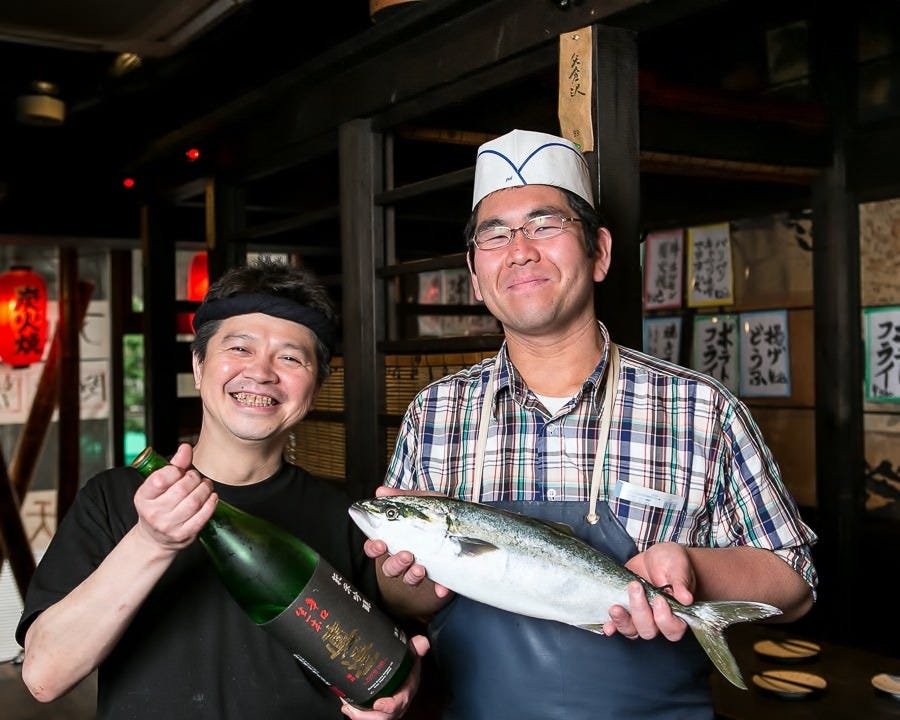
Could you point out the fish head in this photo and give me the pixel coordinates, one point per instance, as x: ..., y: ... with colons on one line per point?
x: 404, y: 522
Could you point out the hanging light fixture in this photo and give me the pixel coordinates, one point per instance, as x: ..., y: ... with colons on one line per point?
x: 41, y: 105
x: 23, y: 316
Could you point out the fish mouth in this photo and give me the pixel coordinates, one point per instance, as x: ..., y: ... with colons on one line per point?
x: 362, y: 517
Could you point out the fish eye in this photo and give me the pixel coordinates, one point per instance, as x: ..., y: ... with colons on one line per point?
x: 392, y: 513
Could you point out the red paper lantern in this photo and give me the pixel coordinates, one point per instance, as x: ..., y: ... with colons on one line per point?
x: 197, y: 285
x: 23, y: 316
x: 198, y: 277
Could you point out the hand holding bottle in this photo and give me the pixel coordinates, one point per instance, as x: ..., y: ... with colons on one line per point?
x: 173, y: 504
x: 289, y: 590
x: 396, y: 705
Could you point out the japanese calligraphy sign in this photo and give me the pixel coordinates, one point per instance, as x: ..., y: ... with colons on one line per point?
x: 662, y: 337
x: 716, y: 348
x: 39, y: 518
x: 575, y: 82
x: 663, y: 269
x: 882, y: 335
x: 16, y: 387
x: 94, y: 334
x: 94, y: 389
x: 710, y: 278
x: 765, y: 354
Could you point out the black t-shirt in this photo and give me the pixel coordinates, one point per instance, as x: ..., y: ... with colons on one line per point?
x: 191, y: 651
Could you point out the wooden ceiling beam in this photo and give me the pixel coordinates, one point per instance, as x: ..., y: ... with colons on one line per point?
x: 690, y: 165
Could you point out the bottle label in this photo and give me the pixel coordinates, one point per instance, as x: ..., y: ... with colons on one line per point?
x: 341, y: 636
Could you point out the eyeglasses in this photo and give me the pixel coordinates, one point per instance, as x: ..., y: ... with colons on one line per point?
x: 542, y: 227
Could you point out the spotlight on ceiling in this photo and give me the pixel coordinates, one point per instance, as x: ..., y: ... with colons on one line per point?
x: 125, y: 63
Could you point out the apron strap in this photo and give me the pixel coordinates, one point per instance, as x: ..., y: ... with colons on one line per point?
x: 609, y: 398
x: 483, y: 425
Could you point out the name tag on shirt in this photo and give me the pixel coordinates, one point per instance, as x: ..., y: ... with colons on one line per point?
x: 648, y: 496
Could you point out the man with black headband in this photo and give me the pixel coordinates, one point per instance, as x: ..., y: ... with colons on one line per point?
x: 124, y: 588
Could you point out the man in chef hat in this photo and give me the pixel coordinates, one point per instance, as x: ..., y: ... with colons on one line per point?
x: 524, y: 157
x: 658, y: 466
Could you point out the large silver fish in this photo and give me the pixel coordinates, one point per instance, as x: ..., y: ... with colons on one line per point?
x: 534, y: 568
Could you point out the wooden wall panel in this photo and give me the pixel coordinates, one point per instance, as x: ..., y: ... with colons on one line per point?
x: 772, y: 258
x: 790, y: 435
x: 879, y: 240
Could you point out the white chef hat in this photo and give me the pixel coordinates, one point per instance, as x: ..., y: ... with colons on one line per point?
x: 523, y: 157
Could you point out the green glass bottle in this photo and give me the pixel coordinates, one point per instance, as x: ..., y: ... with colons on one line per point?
x: 288, y: 589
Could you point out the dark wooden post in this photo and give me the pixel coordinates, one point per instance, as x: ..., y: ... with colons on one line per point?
x: 160, y: 351
x: 840, y: 458
x: 616, y: 161
x: 362, y: 250
x: 69, y: 445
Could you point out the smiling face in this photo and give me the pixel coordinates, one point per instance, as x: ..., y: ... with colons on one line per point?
x: 536, y: 287
x: 258, y: 378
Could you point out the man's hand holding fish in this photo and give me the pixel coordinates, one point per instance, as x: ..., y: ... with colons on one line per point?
x: 667, y: 566
x: 408, y: 588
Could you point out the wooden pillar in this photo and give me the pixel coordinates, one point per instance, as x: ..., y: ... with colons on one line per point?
x: 160, y: 351
x: 838, y: 347
x: 69, y: 449
x: 226, y: 219
x: 120, y: 294
x: 362, y: 252
x: 13, y: 541
x: 616, y: 164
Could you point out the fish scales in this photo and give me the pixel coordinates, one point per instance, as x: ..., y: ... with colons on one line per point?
x: 539, y: 585
x: 527, y: 566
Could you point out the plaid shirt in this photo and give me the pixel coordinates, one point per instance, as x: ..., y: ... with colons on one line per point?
x: 685, y: 461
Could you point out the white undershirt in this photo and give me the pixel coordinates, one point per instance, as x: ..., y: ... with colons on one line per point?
x: 553, y: 404
x: 609, y: 400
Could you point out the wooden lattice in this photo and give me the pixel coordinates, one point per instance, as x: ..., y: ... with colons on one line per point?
x: 319, y: 446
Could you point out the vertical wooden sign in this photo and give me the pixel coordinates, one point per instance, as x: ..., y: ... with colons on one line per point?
x: 575, y: 120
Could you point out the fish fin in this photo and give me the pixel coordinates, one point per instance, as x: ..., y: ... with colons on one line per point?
x: 562, y: 527
x: 556, y: 525
x: 708, y: 620
x: 594, y: 628
x: 474, y: 546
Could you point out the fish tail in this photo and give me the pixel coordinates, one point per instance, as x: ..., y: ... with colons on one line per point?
x: 708, y: 621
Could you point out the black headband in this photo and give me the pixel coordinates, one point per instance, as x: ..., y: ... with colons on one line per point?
x: 280, y: 307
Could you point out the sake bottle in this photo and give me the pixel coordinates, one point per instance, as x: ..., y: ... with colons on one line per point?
x: 291, y: 591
